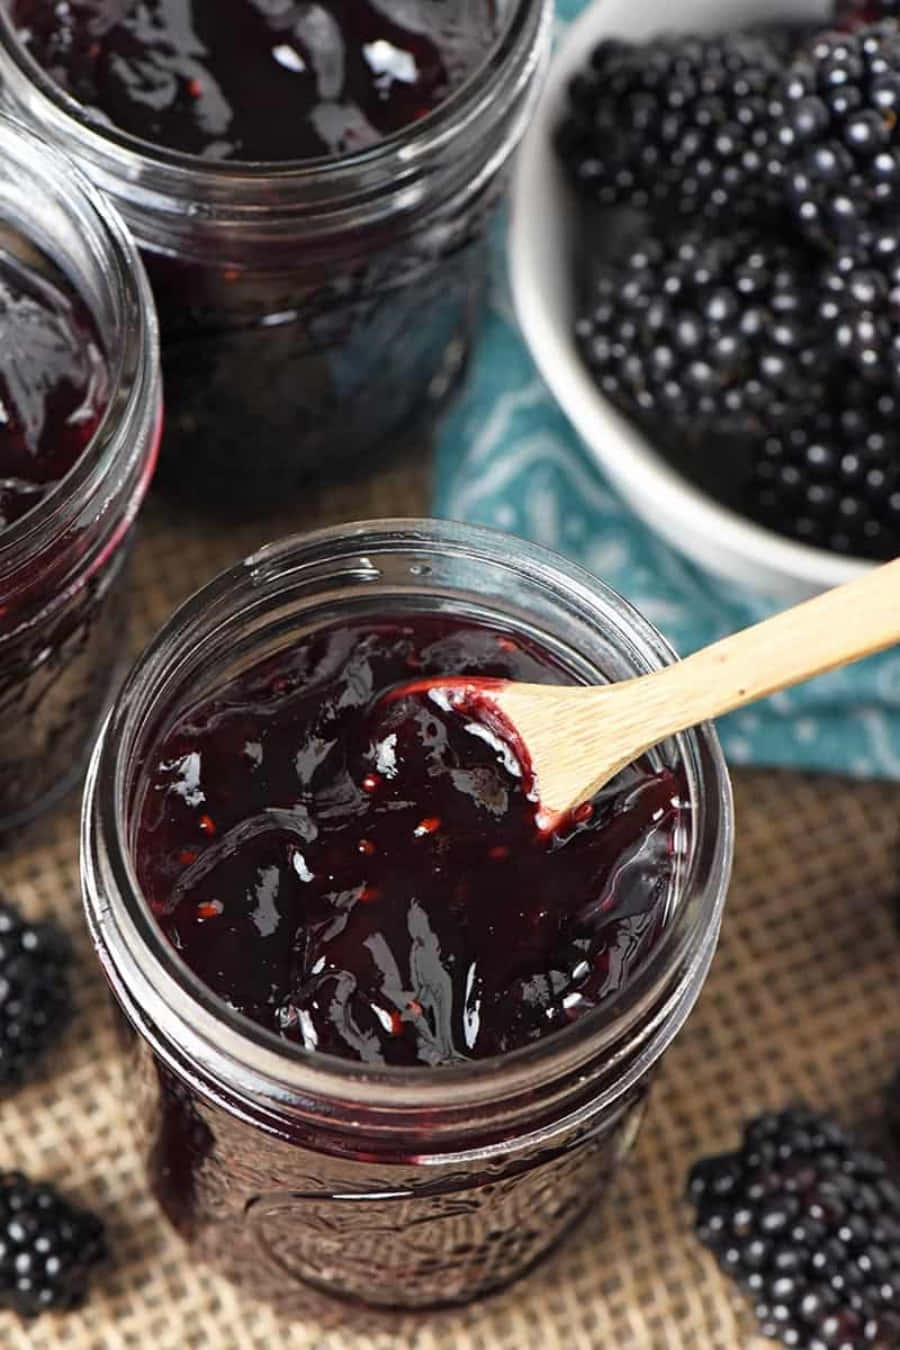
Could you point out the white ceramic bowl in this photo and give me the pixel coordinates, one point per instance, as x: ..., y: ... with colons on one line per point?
x: 542, y: 272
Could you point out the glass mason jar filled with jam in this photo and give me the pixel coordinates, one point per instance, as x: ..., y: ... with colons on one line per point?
x: 79, y: 427
x: 391, y: 1035
x: 311, y: 187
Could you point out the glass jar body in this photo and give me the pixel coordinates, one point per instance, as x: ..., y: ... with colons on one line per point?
x: 56, y: 678
x: 389, y: 1187
x: 63, y: 566
x: 310, y: 313
x: 281, y: 1216
x: 274, y: 377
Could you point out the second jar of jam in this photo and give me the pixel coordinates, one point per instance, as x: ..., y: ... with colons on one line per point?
x: 391, y: 1040
x: 311, y: 187
x: 80, y: 419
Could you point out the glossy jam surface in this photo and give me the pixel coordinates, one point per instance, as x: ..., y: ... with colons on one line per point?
x: 61, y: 632
x: 54, y: 383
x: 291, y: 362
x: 259, y: 79
x: 366, y: 877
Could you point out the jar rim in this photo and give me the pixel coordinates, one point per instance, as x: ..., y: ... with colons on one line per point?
x: 115, y: 898
x: 131, y: 356
x: 415, y: 141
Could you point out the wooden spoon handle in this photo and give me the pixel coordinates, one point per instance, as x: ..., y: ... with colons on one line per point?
x: 819, y: 635
x: 579, y: 736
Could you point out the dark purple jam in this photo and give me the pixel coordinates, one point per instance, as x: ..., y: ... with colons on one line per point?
x: 289, y: 361
x: 258, y: 79
x: 54, y: 384
x: 366, y: 877
x: 61, y: 619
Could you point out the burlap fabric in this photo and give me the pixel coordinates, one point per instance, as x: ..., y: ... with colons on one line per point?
x: 802, y: 1003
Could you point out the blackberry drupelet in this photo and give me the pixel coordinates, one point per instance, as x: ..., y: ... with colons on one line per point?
x: 715, y: 334
x: 834, y: 481
x: 860, y: 307
x: 840, y: 134
x: 685, y: 121
x: 47, y: 1247
x: 809, y: 1226
x: 35, y: 1000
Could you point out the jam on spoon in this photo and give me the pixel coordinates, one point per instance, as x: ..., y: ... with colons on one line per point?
x: 366, y: 877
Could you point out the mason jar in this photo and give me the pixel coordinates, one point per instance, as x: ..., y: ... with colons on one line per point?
x: 399, y: 1187
x: 63, y: 597
x: 311, y: 312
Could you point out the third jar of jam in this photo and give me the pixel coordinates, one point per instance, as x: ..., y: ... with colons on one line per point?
x: 311, y: 187
x: 390, y: 1041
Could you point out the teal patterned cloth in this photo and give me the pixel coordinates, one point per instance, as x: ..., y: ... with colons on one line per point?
x: 508, y: 458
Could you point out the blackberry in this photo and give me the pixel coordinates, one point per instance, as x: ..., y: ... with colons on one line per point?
x: 684, y: 121
x: 47, y: 1247
x: 809, y: 1226
x: 718, y: 334
x: 35, y: 1002
x: 834, y: 481
x: 860, y: 308
x: 841, y: 134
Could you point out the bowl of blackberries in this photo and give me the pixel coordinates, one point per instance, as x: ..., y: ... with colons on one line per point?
x: 705, y: 258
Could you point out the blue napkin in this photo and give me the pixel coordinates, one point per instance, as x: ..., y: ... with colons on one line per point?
x: 507, y: 457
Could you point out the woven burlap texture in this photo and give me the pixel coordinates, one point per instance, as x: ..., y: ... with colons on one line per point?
x: 802, y: 1003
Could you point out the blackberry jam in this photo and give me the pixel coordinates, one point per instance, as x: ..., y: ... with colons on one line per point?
x: 368, y: 880
x: 251, y: 81
x: 54, y: 378
x: 79, y: 424
x: 428, y: 1119
x: 312, y: 192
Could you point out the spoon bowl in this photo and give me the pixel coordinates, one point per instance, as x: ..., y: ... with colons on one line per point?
x: 571, y: 740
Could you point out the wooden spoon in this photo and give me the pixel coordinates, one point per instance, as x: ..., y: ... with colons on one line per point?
x: 579, y: 737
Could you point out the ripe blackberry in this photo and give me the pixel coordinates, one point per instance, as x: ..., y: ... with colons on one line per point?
x: 47, y: 1247
x: 860, y: 307
x: 809, y: 1226
x: 841, y: 134
x: 685, y: 121
x: 718, y: 334
x: 35, y: 1002
x: 834, y: 481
